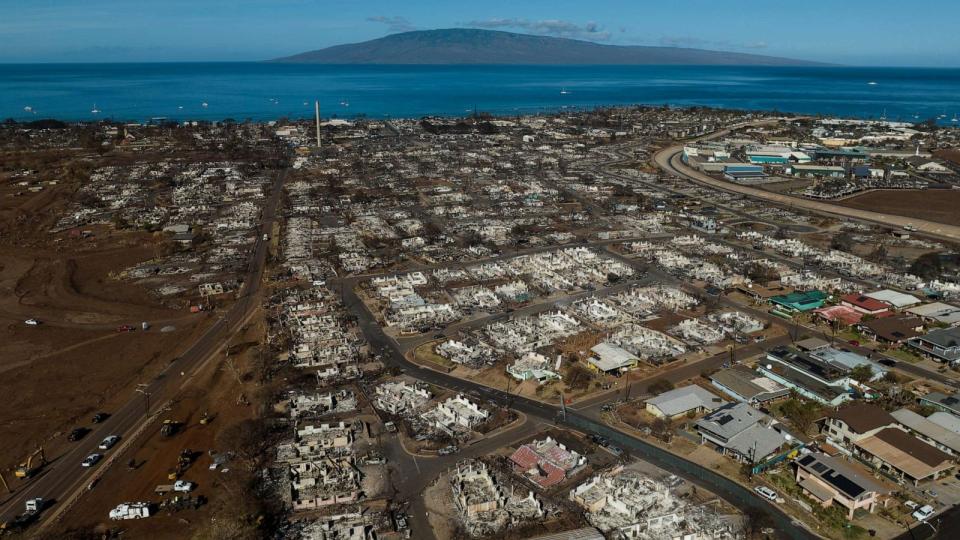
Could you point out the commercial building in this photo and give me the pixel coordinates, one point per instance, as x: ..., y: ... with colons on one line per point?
x: 799, y: 301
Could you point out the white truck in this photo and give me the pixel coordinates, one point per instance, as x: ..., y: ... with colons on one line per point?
x: 135, y: 510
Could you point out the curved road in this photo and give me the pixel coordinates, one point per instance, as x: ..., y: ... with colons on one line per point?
x: 63, y: 478
x: 669, y: 160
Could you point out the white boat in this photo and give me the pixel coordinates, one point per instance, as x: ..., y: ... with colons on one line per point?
x: 563, y: 92
x: 28, y: 108
x: 872, y: 83
x: 204, y: 105
x: 94, y: 110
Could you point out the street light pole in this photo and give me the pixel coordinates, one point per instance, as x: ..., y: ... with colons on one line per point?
x: 141, y: 388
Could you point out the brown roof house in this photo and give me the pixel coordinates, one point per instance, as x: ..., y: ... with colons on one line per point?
x: 902, y: 456
x: 893, y: 330
x: 856, y: 421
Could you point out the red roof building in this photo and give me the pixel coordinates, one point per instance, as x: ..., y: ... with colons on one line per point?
x: 844, y: 315
x: 546, y: 463
x: 865, y: 304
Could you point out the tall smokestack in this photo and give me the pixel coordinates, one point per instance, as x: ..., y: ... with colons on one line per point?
x: 316, y: 105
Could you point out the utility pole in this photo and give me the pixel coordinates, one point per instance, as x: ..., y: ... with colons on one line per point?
x: 141, y: 388
x: 316, y: 106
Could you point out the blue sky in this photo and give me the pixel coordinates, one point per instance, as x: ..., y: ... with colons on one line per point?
x: 856, y: 32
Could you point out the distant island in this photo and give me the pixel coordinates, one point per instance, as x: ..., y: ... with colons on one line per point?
x: 473, y: 46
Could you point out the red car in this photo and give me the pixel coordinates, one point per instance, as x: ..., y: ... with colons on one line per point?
x: 125, y: 328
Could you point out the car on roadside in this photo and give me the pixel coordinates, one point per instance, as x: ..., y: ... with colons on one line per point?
x: 448, y: 450
x: 922, y: 513
x: 91, y: 460
x: 76, y: 434
x: 108, y: 442
x: 766, y: 493
x: 32, y: 322
x: 889, y: 362
x: 100, y: 417
x: 911, y: 505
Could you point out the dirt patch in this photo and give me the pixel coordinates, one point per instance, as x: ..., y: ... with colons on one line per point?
x: 219, y: 392
x: 938, y: 205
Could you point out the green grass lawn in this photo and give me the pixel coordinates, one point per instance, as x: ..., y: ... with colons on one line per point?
x: 903, y: 354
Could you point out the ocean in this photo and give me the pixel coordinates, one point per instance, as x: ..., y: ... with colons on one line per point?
x: 265, y: 91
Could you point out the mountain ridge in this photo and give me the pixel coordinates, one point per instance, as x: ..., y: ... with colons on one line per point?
x: 478, y: 46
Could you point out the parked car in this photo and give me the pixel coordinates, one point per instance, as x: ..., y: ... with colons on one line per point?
x: 766, y: 493
x: 91, y: 460
x: 100, y: 417
x: 923, y: 512
x: 183, y: 486
x: 889, y: 362
x: 911, y: 505
x: 108, y: 442
x: 76, y: 434
x: 615, y: 450
x: 32, y: 322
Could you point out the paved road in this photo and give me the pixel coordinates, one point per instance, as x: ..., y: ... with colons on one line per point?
x: 708, y: 479
x: 64, y: 477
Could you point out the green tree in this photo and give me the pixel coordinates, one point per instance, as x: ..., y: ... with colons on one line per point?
x: 862, y: 373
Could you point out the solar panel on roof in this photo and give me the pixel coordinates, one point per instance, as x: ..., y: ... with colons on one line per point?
x: 845, y: 484
x: 819, y: 467
x: 805, y: 460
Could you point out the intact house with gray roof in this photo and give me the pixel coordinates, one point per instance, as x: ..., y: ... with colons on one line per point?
x: 942, y: 402
x: 811, y: 377
x: 742, y: 432
x: 942, y: 345
x: 747, y: 386
x: 680, y: 401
